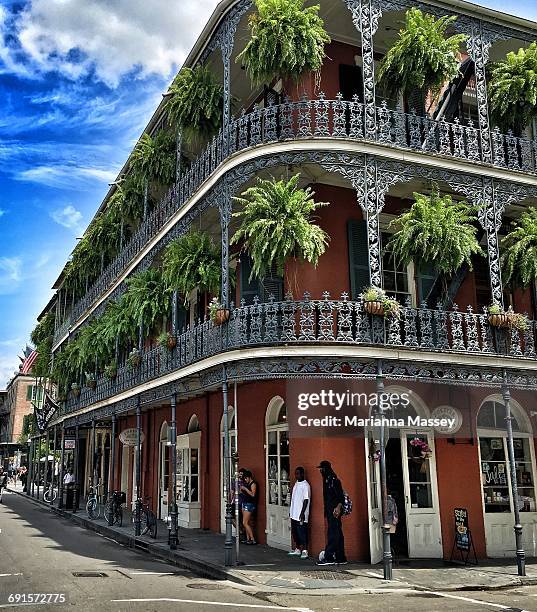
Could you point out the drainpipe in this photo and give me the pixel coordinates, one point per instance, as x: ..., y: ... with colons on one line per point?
x: 173, y: 450
x: 387, y: 560
x: 520, y: 554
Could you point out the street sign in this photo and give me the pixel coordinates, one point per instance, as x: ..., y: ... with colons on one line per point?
x: 128, y: 437
x: 69, y: 444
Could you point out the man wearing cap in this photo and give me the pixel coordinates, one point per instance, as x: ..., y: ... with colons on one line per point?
x: 334, y: 551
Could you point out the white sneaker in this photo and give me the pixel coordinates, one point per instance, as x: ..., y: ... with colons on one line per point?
x: 304, y: 554
x: 321, y: 556
x: 294, y: 553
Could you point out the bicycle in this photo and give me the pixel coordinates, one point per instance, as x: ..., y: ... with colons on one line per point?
x: 93, y: 507
x: 148, y: 520
x: 113, y: 512
x: 50, y: 494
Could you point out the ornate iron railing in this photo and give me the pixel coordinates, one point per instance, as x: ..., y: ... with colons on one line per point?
x: 305, y: 119
x: 320, y: 322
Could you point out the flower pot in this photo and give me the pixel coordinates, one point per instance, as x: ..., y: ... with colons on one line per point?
x: 92, y: 384
x: 76, y: 392
x: 221, y: 316
x: 499, y: 320
x: 374, y: 308
x: 171, y: 343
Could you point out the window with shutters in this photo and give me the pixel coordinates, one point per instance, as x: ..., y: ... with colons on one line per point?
x: 30, y: 392
x: 358, y: 257
x: 483, y: 293
x: 396, y: 276
x: 426, y: 278
x: 272, y: 284
x: 351, y: 82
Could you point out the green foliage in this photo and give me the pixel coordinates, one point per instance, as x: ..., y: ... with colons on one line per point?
x: 423, y: 57
x: 41, y: 337
x: 196, y: 105
x: 191, y: 261
x: 115, y: 323
x: 286, y: 40
x: 376, y: 294
x: 44, y: 329
x: 277, y: 224
x: 130, y: 199
x: 436, y: 230
x: 513, y: 90
x: 153, y: 158
x: 519, y: 257
x: 146, y: 299
x: 29, y: 428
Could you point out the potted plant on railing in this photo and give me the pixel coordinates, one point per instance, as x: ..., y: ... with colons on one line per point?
x: 437, y: 230
x: 286, y: 40
x: 91, y: 381
x: 498, y: 317
x: 217, y: 312
x: 512, y: 89
x: 376, y: 302
x: 75, y: 389
x: 110, y: 370
x: 134, y: 359
x: 422, y: 58
x: 167, y: 340
x: 277, y: 223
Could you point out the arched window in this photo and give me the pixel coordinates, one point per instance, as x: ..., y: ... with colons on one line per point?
x: 193, y: 424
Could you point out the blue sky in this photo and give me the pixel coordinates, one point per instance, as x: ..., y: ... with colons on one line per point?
x: 78, y: 81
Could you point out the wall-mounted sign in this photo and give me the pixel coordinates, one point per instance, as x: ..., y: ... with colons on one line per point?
x: 69, y: 444
x: 129, y: 437
x: 451, y: 414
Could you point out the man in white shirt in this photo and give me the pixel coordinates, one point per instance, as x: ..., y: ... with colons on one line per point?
x: 68, y: 478
x: 299, y: 511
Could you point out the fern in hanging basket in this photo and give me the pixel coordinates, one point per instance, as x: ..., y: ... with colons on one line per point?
x: 519, y: 256
x: 277, y: 223
x: 153, y: 158
x: 513, y: 90
x: 286, y: 40
x: 423, y: 57
x: 196, y: 103
x: 191, y: 261
x: 146, y: 299
x: 436, y: 230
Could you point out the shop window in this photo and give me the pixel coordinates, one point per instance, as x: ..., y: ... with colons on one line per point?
x: 279, y: 491
x: 419, y: 475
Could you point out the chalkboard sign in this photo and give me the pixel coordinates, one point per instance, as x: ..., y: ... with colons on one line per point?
x: 462, y: 533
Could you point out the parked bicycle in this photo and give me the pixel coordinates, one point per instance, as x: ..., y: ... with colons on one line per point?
x: 50, y: 494
x: 148, y: 519
x: 93, y: 508
x: 113, y: 511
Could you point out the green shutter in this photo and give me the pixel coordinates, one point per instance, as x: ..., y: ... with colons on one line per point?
x: 249, y: 289
x: 39, y: 396
x: 426, y: 279
x: 358, y: 257
x: 29, y: 392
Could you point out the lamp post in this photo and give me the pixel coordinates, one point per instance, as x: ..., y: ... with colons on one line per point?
x: 520, y: 554
x: 387, y: 560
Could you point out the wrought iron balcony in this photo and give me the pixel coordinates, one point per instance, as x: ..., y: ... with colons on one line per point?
x: 314, y: 119
x: 320, y: 322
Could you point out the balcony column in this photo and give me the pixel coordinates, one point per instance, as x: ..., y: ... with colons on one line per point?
x: 55, y: 444
x: 371, y: 203
x: 76, y: 491
x: 365, y: 16
x: 478, y: 49
x: 490, y: 218
x: 38, y: 462
x: 173, y: 450
x: 62, y: 469
x: 111, y: 475
x: 138, y: 470
x: 31, y: 469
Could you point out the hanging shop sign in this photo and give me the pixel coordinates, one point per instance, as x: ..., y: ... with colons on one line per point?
x: 69, y: 444
x: 129, y: 437
x: 44, y: 414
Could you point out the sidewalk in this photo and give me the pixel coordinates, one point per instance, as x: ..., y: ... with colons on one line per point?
x: 267, y: 569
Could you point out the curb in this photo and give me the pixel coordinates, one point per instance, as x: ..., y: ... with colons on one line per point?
x: 206, y: 569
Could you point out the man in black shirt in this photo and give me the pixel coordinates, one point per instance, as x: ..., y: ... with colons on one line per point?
x: 334, y: 551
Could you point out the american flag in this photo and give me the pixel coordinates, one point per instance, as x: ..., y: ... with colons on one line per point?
x: 30, y: 355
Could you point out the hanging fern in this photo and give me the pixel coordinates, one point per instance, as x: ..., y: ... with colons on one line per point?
x: 423, y: 57
x: 286, y: 40
x: 146, y: 299
x: 154, y: 158
x: 519, y: 259
x: 196, y: 103
x: 192, y: 261
x: 115, y: 323
x: 436, y: 230
x: 41, y: 337
x: 513, y: 90
x: 277, y: 224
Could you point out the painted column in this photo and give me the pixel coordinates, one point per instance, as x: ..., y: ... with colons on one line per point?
x: 173, y: 450
x: 62, y: 469
x: 112, y: 473
x: 76, y: 488
x: 138, y: 460
x: 490, y: 217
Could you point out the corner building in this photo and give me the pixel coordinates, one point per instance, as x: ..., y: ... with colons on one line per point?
x: 366, y: 156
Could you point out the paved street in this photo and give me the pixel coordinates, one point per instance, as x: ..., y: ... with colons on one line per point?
x: 42, y: 553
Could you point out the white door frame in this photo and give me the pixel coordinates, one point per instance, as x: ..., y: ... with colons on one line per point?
x: 163, y: 508
x: 374, y: 510
x: 280, y: 536
x: 232, y: 436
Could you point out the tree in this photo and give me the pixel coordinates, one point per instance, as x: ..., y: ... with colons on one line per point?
x: 519, y: 257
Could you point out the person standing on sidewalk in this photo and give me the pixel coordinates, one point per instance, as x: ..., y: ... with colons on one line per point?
x: 3, y: 482
x: 299, y: 511
x: 334, y: 499
x: 249, y: 507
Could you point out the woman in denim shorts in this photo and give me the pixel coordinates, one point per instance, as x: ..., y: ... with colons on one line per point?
x: 249, y: 505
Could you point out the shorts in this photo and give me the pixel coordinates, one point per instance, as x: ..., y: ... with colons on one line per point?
x: 248, y: 507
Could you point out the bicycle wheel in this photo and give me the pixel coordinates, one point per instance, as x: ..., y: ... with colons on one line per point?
x: 109, y: 512
x: 46, y: 496
x: 153, y: 525
x: 144, y: 522
x: 91, y: 508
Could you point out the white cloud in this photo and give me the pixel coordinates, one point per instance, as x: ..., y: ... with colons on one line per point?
x: 9, y: 364
x: 66, y: 176
x: 69, y: 217
x: 10, y: 274
x: 111, y: 37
